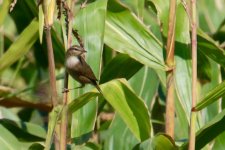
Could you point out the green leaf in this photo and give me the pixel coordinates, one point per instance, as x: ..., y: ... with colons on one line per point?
x: 126, y: 34
x: 4, y: 8
x: 90, y: 23
x: 159, y: 142
x: 210, y: 48
x: 204, y: 68
x: 7, y: 140
x: 182, y: 74
x: 21, y: 46
x: 36, y: 146
x: 118, y: 129
x: 121, y: 66
x: 81, y: 101
x: 53, y: 118
x: 41, y: 23
x: 219, y: 142
x: 211, y: 96
x: 129, y: 106
x: 136, y: 6
x: 209, y: 131
x: 146, y: 75
x: 24, y: 131
x: 210, y: 14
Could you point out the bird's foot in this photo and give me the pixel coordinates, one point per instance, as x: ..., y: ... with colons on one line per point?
x: 65, y: 90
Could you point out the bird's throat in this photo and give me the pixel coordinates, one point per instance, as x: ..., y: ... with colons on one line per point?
x: 72, y: 61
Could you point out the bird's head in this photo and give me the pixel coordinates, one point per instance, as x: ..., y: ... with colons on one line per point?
x: 75, y: 51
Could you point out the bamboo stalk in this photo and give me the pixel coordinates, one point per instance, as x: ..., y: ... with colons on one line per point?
x: 194, y: 73
x: 170, y: 110
x: 64, y: 121
x: 51, y: 66
x: 48, y: 9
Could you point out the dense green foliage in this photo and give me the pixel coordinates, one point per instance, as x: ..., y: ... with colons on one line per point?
x: 125, y: 43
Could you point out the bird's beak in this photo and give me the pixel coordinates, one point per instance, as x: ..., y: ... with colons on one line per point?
x: 83, y: 51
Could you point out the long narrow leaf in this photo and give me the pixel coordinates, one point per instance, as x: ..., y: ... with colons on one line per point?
x: 131, y: 108
x: 126, y: 34
x: 90, y: 23
x: 211, y: 97
x: 20, y: 47
x: 209, y: 131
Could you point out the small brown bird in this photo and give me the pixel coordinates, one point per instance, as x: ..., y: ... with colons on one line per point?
x: 77, y: 67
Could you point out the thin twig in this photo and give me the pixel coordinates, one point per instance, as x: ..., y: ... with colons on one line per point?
x: 194, y: 73
x: 170, y: 110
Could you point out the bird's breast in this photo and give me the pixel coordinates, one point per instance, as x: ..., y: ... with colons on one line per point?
x: 72, y: 61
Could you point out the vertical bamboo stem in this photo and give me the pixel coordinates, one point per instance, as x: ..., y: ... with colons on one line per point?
x: 194, y: 73
x: 51, y: 66
x: 170, y: 110
x: 64, y: 123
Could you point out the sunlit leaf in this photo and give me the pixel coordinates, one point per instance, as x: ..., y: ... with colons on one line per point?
x: 90, y: 23
x: 4, y: 8
x: 209, y: 131
x: 159, y: 142
x: 21, y: 46
x: 53, y: 118
x: 211, y: 97
x: 118, y: 129
x: 24, y: 131
x: 7, y: 140
x: 126, y: 34
x: 131, y: 108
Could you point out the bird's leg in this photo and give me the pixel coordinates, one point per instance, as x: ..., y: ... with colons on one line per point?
x: 67, y: 90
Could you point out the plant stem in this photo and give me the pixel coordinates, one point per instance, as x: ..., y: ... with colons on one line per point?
x: 52, y: 78
x: 170, y: 110
x: 51, y: 66
x: 63, y: 128
x: 194, y: 74
x: 64, y: 121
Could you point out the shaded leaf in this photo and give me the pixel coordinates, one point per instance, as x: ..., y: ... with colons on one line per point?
x: 36, y: 146
x: 209, y: 48
x: 24, y: 131
x: 121, y: 66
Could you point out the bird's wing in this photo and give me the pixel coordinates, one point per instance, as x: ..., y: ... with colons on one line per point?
x: 87, y: 72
